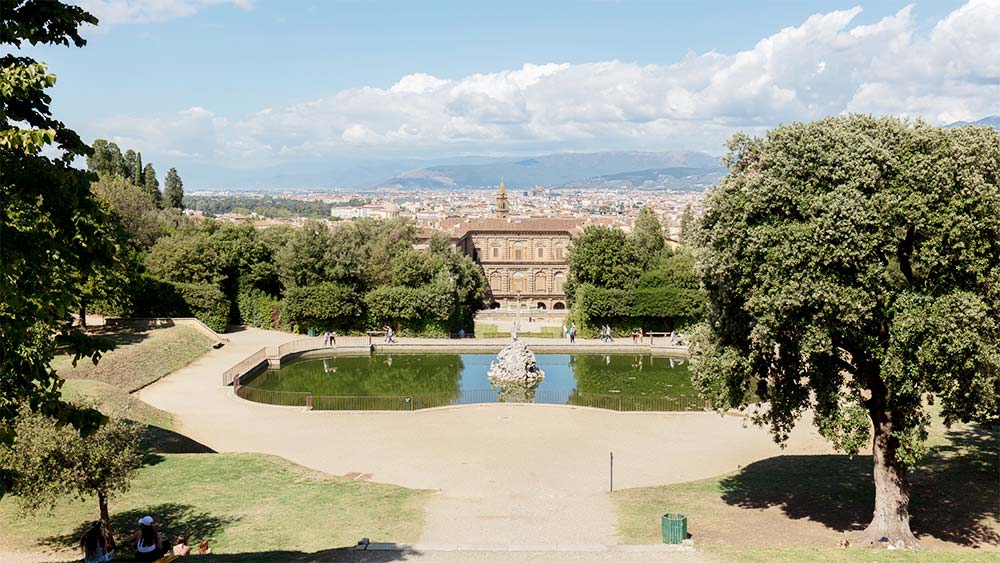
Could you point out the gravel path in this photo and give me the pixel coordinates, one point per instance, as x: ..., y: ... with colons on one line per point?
x: 504, y: 474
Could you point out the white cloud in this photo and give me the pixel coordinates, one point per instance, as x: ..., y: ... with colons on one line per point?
x: 823, y: 67
x: 117, y: 12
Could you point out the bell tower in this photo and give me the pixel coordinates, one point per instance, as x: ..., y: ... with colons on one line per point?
x: 501, y: 208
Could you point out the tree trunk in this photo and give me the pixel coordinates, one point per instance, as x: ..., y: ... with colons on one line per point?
x: 102, y: 499
x: 892, y: 490
x: 83, y: 314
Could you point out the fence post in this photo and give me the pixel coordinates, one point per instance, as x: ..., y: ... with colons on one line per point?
x: 309, y: 402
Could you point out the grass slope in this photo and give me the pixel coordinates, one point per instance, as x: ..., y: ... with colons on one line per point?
x: 141, y: 356
x: 796, y: 508
x: 246, y: 505
x: 241, y: 503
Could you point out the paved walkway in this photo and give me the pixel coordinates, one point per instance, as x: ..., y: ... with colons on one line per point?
x: 505, y: 474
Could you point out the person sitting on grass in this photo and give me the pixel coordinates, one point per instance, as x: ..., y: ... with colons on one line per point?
x: 97, y: 544
x: 181, y: 548
x: 203, y: 548
x: 147, y: 541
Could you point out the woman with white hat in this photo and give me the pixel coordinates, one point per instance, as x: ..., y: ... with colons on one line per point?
x: 147, y: 541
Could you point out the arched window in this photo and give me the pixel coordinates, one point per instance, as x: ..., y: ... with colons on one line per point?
x: 518, y: 251
x: 517, y: 284
x: 557, y: 282
x: 559, y: 306
x: 540, y: 305
x: 541, y: 284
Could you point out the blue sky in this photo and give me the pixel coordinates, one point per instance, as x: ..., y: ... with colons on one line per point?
x: 223, y: 85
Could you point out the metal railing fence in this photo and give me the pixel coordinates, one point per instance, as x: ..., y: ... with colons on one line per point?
x: 316, y: 343
x: 246, y: 366
x: 473, y: 396
x: 283, y: 398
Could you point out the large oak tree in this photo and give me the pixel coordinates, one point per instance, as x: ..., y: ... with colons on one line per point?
x: 853, y: 268
x: 53, y: 230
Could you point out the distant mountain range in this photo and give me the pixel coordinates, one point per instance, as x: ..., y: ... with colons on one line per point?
x: 598, y: 169
x: 678, y: 178
x: 991, y: 121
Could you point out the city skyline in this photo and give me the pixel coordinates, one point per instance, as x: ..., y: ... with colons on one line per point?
x: 227, y: 91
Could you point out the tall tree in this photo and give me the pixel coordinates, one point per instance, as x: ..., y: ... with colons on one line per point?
x: 603, y: 257
x: 137, y: 178
x: 152, y: 185
x: 51, y: 225
x: 173, y: 189
x: 132, y: 206
x: 647, y: 235
x: 687, y: 224
x: 186, y: 258
x: 106, y: 160
x: 853, y: 268
x: 129, y: 164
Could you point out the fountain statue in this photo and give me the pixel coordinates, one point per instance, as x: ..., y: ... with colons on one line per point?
x: 515, y: 374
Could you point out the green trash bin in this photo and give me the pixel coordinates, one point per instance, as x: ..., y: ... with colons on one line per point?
x: 311, y: 332
x: 675, y: 527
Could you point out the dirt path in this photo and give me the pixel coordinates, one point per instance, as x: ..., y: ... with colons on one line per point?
x: 505, y: 474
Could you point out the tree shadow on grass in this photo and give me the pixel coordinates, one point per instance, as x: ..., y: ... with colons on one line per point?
x: 958, y: 488
x: 162, y: 441
x: 120, y: 335
x: 172, y: 519
x: 952, y: 494
x: 335, y: 555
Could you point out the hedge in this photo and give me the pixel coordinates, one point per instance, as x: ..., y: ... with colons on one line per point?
x: 152, y: 297
x: 659, y: 307
x: 324, y: 305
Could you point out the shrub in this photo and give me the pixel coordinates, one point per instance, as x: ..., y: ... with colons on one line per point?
x: 324, y: 305
x: 206, y: 302
x: 256, y: 308
x: 157, y: 298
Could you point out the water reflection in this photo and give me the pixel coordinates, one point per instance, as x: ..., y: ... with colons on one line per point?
x: 443, y: 379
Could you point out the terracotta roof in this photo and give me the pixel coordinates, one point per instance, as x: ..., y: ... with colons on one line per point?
x: 458, y: 228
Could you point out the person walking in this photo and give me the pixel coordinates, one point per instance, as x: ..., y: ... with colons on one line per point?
x: 565, y: 331
x: 333, y: 338
x: 326, y: 338
x: 97, y: 544
x: 572, y: 334
x: 607, y: 334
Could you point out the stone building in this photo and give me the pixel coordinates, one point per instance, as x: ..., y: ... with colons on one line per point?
x: 525, y: 260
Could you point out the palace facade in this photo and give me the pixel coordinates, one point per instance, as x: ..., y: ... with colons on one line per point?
x: 525, y: 260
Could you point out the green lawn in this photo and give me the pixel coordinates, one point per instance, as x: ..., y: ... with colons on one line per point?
x: 241, y: 503
x: 244, y: 504
x: 797, y: 508
x: 490, y: 331
x: 113, y: 400
x: 141, y: 357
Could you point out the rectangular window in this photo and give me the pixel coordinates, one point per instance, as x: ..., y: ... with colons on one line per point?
x: 541, y: 252
x: 496, y: 252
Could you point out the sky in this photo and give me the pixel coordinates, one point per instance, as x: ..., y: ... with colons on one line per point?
x: 224, y: 88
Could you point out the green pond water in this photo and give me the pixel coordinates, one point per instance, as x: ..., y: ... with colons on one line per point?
x: 410, y: 381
